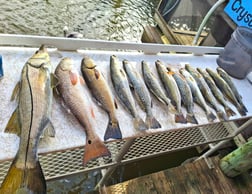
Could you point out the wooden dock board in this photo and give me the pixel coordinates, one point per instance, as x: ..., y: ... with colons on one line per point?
x: 190, y: 178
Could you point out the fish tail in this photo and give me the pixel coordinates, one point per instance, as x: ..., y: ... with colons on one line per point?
x: 244, y: 107
x: 191, y: 118
x: 241, y: 110
x: 179, y: 118
x: 27, y: 180
x: 113, y: 131
x: 139, y: 124
x: 221, y: 115
x: 229, y: 111
x: 152, y: 122
x: 210, y: 116
x: 94, y: 149
x: 171, y: 108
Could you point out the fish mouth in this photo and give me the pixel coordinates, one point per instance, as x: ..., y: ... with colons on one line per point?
x: 93, y: 67
x: 40, y: 65
x: 88, y: 63
x: 66, y: 64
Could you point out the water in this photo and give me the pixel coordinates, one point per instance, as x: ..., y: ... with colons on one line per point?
x: 120, y: 20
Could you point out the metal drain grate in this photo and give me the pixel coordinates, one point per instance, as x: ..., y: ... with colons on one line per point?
x: 67, y: 162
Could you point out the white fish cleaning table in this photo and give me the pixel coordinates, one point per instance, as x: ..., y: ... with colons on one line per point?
x: 62, y: 155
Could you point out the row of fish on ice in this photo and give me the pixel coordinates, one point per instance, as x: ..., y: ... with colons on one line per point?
x: 31, y: 118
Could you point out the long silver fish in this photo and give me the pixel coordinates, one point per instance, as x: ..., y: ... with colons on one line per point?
x: 102, y: 93
x: 70, y: 88
x: 30, y: 119
x: 122, y: 89
x: 226, y: 90
x: 172, y: 90
x: 206, y: 91
x: 186, y: 95
x: 197, y: 95
x: 216, y: 92
x: 154, y: 87
x: 142, y: 94
x: 231, y: 84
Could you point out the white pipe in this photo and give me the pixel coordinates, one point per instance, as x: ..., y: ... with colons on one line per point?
x: 203, y: 23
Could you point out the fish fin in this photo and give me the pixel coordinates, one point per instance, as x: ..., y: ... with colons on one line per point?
x: 49, y: 130
x: 170, y: 73
x: 179, y: 118
x: 139, y: 124
x: 94, y: 148
x: 123, y: 73
x: 73, y: 78
x: 82, y: 81
x: 229, y: 111
x: 56, y: 93
x: 222, y: 116
x: 171, y: 108
x: 211, y: 117
x: 92, y: 112
x: 244, y: 107
x: 152, y: 123
x: 191, y: 118
x: 115, y: 103
x: 13, y: 125
x: 15, y: 92
x: 97, y: 74
x: 27, y: 180
x: 241, y: 110
x: 113, y: 131
x: 54, y: 80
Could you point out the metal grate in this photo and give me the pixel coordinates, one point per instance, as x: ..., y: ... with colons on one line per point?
x: 67, y: 162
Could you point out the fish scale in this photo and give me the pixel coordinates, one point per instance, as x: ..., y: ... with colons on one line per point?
x: 172, y: 90
x: 142, y: 94
x: 197, y: 95
x: 121, y: 86
x: 30, y: 119
x: 206, y: 91
x: 70, y: 88
x: 102, y: 93
x: 216, y: 92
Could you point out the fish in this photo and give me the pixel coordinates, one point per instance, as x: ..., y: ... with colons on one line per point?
x: 154, y: 86
x: 231, y: 84
x: 186, y: 95
x: 226, y: 90
x: 205, y: 90
x: 197, y: 95
x: 142, y: 94
x: 100, y: 90
x: 171, y: 89
x: 121, y: 85
x: 29, y: 120
x: 216, y: 92
x: 70, y: 88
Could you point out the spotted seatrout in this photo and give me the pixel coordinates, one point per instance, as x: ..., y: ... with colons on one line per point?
x: 226, y: 90
x: 154, y: 87
x: 122, y: 89
x: 186, y: 95
x: 216, y: 92
x: 205, y: 90
x: 172, y: 90
x: 142, y: 94
x: 197, y: 95
x: 231, y: 84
